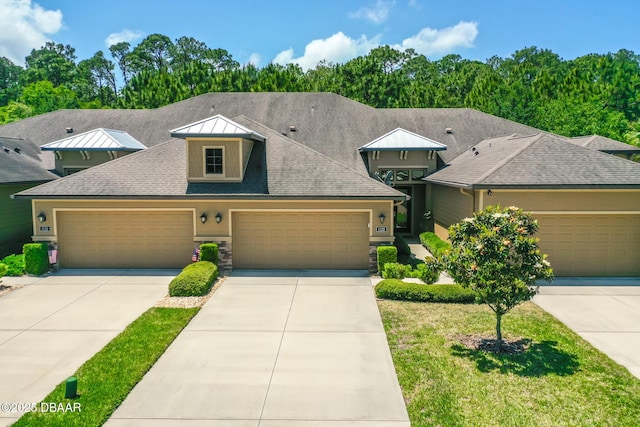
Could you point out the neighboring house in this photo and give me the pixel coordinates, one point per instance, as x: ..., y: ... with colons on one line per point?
x: 21, y: 167
x: 82, y: 151
x: 290, y: 180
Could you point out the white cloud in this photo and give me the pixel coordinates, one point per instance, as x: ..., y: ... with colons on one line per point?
x: 25, y: 26
x: 123, y: 36
x: 338, y: 48
x: 254, y: 59
x: 429, y: 41
x: 378, y: 13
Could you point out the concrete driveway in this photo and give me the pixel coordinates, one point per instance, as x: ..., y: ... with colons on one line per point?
x: 292, y: 348
x: 603, y: 311
x: 50, y: 327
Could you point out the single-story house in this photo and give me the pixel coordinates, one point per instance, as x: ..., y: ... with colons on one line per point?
x: 314, y: 180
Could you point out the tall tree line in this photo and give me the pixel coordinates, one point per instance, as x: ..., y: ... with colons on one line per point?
x: 592, y: 94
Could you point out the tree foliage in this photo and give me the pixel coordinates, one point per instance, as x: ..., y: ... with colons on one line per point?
x: 592, y: 94
x: 495, y: 254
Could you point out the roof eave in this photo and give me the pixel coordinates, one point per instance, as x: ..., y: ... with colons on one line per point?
x: 236, y: 196
x: 253, y: 135
x: 363, y: 149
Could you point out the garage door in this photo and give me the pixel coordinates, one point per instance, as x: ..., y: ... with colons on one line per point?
x: 591, y: 245
x: 313, y: 240
x: 125, y: 239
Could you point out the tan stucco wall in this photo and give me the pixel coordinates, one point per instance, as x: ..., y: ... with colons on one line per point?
x: 73, y: 159
x: 232, y: 163
x: 211, y: 229
x: 391, y: 160
x: 247, y: 146
x: 564, y: 200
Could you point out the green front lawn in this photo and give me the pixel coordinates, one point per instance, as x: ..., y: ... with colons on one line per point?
x: 559, y: 380
x: 106, y: 379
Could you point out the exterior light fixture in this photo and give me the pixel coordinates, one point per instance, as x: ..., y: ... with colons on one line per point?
x: 42, y: 217
x: 382, y: 217
x: 203, y: 217
x: 218, y: 217
x: 489, y: 192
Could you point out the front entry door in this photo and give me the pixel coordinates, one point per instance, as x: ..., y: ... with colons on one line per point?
x: 402, y: 213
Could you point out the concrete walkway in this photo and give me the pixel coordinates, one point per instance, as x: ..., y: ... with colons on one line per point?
x: 288, y: 348
x: 603, y: 311
x: 50, y: 327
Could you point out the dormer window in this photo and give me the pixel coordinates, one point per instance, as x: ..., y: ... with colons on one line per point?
x: 214, y: 161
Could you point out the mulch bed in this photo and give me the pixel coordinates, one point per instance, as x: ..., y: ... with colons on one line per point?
x: 491, y: 345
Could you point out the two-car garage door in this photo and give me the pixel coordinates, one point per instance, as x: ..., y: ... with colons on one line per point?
x: 591, y: 244
x: 125, y: 239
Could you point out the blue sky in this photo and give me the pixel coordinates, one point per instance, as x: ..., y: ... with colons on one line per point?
x: 306, y: 31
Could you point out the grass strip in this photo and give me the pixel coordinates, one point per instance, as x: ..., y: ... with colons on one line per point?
x: 559, y: 380
x: 105, y: 380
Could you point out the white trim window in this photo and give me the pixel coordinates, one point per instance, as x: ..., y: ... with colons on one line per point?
x: 214, y: 160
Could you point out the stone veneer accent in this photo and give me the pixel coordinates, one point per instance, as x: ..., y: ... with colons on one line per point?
x: 373, y: 255
x: 225, y: 256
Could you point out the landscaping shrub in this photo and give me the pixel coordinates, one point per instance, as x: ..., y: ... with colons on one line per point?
x: 3, y: 270
x: 395, y: 270
x: 36, y: 258
x: 403, y: 247
x: 386, y: 254
x: 434, y: 244
x: 194, y: 280
x: 428, y: 272
x: 209, y: 252
x: 399, y: 290
x: 15, y: 265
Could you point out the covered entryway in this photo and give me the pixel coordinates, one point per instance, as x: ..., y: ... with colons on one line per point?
x: 591, y: 244
x: 124, y: 239
x: 308, y: 240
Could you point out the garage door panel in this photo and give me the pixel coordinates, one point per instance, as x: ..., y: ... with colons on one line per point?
x: 591, y: 245
x: 300, y: 240
x: 132, y: 239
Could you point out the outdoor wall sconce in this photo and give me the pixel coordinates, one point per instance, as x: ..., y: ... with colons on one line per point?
x: 203, y: 217
x: 489, y: 192
x: 382, y: 217
x: 218, y: 217
x: 42, y: 217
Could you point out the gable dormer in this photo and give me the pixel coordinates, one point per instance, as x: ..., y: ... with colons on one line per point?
x: 218, y: 149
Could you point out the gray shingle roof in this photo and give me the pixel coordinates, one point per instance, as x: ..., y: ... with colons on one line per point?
x: 400, y: 139
x: 21, y: 161
x: 601, y: 143
x: 97, y: 140
x: 537, y: 161
x: 279, y: 167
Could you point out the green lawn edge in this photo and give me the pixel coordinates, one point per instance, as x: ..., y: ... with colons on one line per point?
x: 561, y: 380
x: 105, y: 380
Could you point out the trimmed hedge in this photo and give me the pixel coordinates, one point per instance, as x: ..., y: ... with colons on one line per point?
x: 3, y: 270
x: 386, y: 254
x: 209, y: 252
x: 36, y: 258
x: 15, y: 264
x: 398, y: 290
x: 194, y: 280
x: 434, y: 244
x: 403, y: 247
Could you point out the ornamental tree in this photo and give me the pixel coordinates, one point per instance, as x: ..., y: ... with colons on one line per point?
x: 495, y: 254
